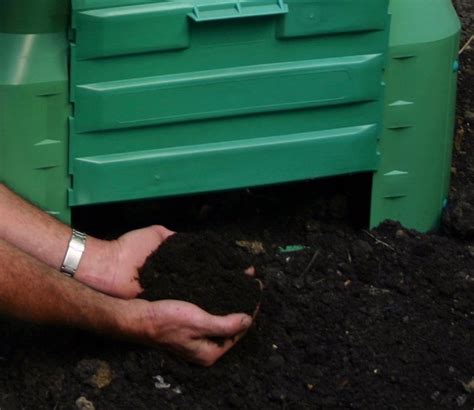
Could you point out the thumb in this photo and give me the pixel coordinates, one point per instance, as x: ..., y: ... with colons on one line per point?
x: 162, y: 231
x: 227, y: 326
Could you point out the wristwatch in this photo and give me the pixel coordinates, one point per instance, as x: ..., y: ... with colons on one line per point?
x: 76, y: 248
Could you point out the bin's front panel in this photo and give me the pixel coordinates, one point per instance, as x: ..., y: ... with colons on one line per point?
x: 173, y: 97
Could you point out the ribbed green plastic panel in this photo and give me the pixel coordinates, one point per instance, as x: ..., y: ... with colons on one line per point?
x: 34, y: 103
x: 190, y: 96
x: 226, y: 92
x: 412, y: 182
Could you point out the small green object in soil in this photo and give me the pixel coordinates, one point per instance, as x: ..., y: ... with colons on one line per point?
x: 291, y: 248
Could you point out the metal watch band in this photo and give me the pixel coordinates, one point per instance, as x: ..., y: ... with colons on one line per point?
x: 76, y: 248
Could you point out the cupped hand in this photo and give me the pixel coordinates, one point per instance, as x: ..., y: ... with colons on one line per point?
x: 133, y: 249
x: 112, y: 267
x: 186, y: 329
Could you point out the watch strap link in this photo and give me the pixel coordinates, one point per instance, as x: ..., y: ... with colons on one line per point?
x: 77, y: 245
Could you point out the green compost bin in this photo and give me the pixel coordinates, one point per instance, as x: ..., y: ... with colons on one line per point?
x: 112, y: 100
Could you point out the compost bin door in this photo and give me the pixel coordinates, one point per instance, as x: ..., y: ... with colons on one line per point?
x: 175, y: 97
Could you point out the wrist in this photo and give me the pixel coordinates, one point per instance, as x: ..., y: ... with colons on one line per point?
x: 139, y: 322
x: 74, y: 253
x: 97, y: 264
x: 113, y: 318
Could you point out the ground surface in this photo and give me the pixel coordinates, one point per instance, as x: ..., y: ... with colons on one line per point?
x: 348, y: 319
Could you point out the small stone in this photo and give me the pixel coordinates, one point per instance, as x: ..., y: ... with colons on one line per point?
x: 254, y: 247
x: 177, y: 390
x: 401, y: 233
x: 95, y: 373
x: 435, y: 395
x: 103, y: 376
x: 470, y: 249
x: 461, y: 400
x: 83, y: 404
x: 469, y: 386
x: 160, y: 382
x: 451, y: 369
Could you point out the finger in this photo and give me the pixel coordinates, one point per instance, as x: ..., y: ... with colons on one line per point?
x: 227, y: 326
x: 163, y: 231
x: 250, y: 271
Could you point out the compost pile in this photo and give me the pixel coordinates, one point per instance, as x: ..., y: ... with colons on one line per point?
x: 349, y: 318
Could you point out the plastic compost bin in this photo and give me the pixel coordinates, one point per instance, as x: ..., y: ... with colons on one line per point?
x: 113, y: 100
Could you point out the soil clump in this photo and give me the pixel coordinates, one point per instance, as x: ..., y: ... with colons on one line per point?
x: 205, y: 269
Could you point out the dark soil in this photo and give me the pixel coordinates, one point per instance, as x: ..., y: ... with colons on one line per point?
x: 459, y: 217
x: 348, y: 318
x: 205, y: 269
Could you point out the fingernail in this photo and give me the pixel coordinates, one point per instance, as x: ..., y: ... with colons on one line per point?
x: 246, y: 321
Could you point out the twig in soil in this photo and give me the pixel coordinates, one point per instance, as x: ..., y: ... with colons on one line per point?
x: 377, y: 240
x: 319, y: 281
x: 465, y: 46
x: 315, y: 255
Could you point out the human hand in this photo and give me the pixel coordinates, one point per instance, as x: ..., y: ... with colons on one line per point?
x: 186, y: 329
x: 132, y: 250
x: 112, y: 266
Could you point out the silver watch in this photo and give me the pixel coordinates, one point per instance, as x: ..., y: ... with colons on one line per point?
x: 76, y: 248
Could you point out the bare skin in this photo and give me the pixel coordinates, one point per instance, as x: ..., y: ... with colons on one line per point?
x: 108, y: 266
x: 32, y: 246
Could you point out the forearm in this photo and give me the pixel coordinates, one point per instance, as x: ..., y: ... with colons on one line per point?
x: 46, y: 239
x: 32, y: 291
x: 31, y: 230
x: 108, y: 266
